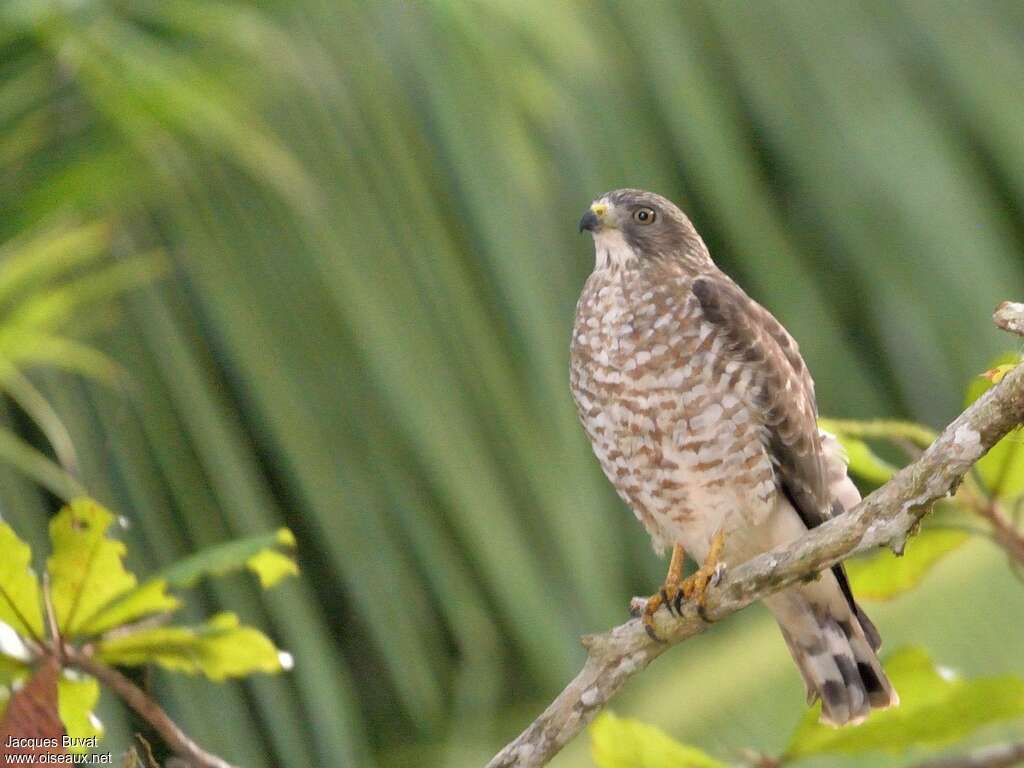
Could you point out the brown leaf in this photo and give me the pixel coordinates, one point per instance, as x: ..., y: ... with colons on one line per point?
x: 31, y: 725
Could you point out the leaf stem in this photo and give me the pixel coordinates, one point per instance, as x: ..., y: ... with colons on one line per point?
x: 994, y: 756
x: 1006, y: 535
x: 51, y: 618
x: 881, y: 429
x: 146, y: 707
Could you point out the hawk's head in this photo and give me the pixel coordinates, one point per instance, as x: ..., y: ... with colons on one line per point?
x: 632, y: 228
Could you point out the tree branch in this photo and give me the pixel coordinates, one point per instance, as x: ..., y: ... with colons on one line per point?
x: 146, y: 707
x: 886, y: 517
x: 994, y: 756
x: 1010, y: 317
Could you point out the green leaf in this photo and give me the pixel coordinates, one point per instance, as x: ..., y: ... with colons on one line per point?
x: 52, y: 309
x: 76, y: 699
x: 219, y: 649
x: 883, y: 576
x: 1002, y: 468
x: 27, y: 347
x: 937, y: 708
x: 261, y: 554
x: 28, y: 264
x: 36, y: 465
x: 625, y: 743
x: 20, y: 602
x: 86, y: 568
x: 147, y: 599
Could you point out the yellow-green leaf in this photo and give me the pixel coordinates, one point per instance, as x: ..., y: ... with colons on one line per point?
x: 20, y: 604
x: 76, y: 699
x: 995, y: 375
x: 624, y: 743
x: 86, y: 568
x: 49, y: 255
x: 271, y: 566
x: 219, y: 649
x: 982, y: 383
x: 269, y: 556
x: 147, y: 599
x: 1002, y: 468
x: 937, y: 708
x: 883, y: 576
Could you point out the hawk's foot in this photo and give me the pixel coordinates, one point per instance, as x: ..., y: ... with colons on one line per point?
x: 677, y: 590
x: 695, y: 586
x: 669, y: 592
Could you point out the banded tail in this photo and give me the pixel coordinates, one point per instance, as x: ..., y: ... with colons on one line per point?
x: 835, y: 650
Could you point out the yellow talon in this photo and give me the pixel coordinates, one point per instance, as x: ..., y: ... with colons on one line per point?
x: 696, y: 586
x: 677, y: 589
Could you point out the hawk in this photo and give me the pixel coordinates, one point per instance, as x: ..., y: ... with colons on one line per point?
x: 701, y: 412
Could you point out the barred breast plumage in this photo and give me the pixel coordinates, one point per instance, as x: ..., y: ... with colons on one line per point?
x: 670, y: 420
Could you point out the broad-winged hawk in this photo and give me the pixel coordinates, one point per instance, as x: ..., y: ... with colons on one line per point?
x: 702, y: 414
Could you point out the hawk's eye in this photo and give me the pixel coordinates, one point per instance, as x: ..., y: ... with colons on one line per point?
x: 644, y: 215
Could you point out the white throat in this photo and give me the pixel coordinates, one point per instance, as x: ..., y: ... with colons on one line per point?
x: 611, y: 251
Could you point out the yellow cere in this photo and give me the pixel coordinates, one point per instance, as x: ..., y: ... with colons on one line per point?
x: 599, y: 208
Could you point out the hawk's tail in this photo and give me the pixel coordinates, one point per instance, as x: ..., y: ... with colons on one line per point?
x: 835, y: 655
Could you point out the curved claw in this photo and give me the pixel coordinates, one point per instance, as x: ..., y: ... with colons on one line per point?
x: 718, y: 575
x: 678, y: 602
x: 651, y: 632
x: 653, y: 604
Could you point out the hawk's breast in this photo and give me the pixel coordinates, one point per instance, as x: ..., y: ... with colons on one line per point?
x: 671, y: 418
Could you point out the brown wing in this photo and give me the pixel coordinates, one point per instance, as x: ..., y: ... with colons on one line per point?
x: 784, y: 393
x: 782, y: 388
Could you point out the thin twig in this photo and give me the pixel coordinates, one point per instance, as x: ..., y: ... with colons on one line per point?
x: 1004, y: 532
x: 994, y: 756
x: 885, y: 517
x: 147, y: 708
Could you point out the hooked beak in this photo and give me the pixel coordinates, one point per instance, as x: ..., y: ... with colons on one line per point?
x: 594, y: 218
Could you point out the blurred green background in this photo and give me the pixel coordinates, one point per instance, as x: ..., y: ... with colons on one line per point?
x: 366, y: 213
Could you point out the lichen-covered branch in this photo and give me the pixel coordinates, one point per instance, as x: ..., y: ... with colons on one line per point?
x: 995, y: 756
x: 885, y: 518
x: 1010, y: 317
